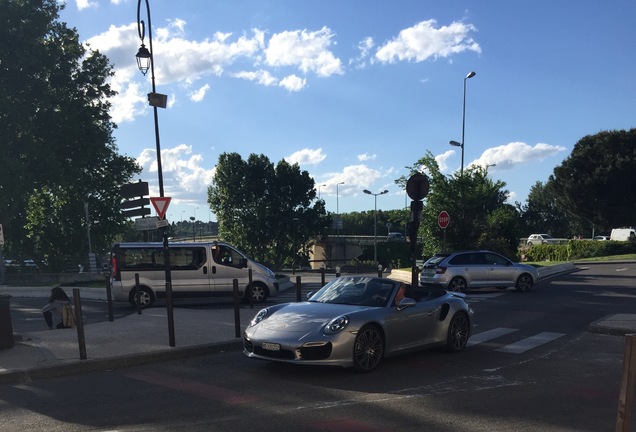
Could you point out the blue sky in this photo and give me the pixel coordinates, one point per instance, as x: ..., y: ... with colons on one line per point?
x: 356, y: 90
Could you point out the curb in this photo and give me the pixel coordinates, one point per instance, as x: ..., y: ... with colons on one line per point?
x: 118, y: 362
x: 603, y: 326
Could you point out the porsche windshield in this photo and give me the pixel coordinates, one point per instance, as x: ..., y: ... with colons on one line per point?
x: 362, y: 291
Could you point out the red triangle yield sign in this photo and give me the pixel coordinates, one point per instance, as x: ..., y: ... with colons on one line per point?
x: 161, y: 205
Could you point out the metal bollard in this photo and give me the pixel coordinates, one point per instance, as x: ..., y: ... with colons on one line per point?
x: 109, y: 299
x: 237, y: 314
x: 322, y: 276
x: 6, y: 328
x: 298, y: 289
x: 79, y: 323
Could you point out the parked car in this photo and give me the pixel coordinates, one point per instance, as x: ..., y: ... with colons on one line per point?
x: 353, y: 321
x: 535, y: 239
x: 395, y: 236
x: 462, y: 271
x: 601, y: 238
x: 623, y: 234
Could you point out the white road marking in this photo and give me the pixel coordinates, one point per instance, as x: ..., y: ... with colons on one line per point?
x: 489, y: 335
x: 530, y: 343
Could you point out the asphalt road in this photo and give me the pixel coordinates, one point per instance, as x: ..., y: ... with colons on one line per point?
x: 531, y: 366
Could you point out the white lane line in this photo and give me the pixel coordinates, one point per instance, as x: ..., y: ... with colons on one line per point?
x: 489, y: 335
x: 530, y: 343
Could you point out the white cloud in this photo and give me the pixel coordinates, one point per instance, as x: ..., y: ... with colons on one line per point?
x: 306, y: 50
x: 364, y: 47
x: 424, y: 41
x: 198, y: 95
x: 442, y: 160
x: 306, y: 157
x: 293, y: 83
x: 366, y: 157
x: 262, y: 77
x: 85, y: 4
x: 517, y: 153
x: 355, y: 177
x: 184, y: 177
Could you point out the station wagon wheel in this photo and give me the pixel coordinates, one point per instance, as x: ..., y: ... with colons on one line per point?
x: 368, y: 349
x: 524, y: 282
x: 458, y: 332
x: 457, y: 284
x: 146, y: 297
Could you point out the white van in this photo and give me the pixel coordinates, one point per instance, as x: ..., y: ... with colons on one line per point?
x: 623, y: 234
x: 198, y: 270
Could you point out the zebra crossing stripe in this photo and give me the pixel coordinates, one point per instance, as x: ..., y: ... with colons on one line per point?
x: 530, y: 343
x: 489, y: 335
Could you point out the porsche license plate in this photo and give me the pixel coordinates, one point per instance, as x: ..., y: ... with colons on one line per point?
x: 271, y: 346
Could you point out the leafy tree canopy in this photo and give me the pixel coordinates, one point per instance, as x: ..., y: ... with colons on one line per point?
x: 596, y: 184
x: 58, y: 153
x: 266, y: 209
x: 479, y: 215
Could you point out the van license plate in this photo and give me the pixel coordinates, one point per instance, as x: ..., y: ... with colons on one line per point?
x: 271, y: 346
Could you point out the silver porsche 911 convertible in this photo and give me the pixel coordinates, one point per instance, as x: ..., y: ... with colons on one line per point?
x: 356, y: 321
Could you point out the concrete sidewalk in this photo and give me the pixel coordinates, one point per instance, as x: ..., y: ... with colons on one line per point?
x: 136, y: 339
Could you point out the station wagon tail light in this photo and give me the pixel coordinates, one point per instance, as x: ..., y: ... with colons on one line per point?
x: 440, y: 270
x: 336, y: 325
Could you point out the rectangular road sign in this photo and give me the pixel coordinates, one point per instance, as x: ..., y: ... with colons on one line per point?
x: 144, y: 211
x: 146, y: 224
x: 134, y: 190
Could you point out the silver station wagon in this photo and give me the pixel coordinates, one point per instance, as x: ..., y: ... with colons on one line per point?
x: 465, y: 270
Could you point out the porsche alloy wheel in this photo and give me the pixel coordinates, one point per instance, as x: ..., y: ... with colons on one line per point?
x: 368, y: 349
x: 524, y: 282
x: 458, y: 332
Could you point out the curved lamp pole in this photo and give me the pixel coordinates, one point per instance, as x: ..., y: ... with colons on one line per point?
x: 375, y: 221
x: 145, y: 61
x: 455, y: 143
x: 338, y: 208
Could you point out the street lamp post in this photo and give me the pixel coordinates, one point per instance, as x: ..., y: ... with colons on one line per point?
x: 145, y: 61
x: 319, y: 186
x: 455, y: 143
x: 338, y: 222
x: 375, y: 221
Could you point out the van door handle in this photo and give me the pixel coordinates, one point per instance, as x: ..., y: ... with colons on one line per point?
x: 205, y: 269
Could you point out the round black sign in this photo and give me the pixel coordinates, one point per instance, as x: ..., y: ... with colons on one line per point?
x: 417, y: 187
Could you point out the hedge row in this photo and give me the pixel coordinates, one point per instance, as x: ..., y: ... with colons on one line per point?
x: 577, y: 249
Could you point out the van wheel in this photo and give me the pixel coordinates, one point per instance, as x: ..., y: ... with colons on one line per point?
x: 146, y: 297
x: 258, y: 291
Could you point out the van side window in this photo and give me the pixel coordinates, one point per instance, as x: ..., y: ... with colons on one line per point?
x: 187, y: 258
x: 226, y: 256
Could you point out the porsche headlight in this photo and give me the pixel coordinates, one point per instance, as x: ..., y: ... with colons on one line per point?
x: 260, y: 316
x: 336, y: 325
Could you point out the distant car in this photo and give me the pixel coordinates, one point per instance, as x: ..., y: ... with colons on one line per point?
x: 601, y: 238
x: 353, y: 321
x: 537, y: 239
x: 395, y: 236
x: 465, y: 270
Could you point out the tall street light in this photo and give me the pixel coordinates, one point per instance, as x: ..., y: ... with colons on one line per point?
x: 338, y: 222
x: 145, y: 61
x: 319, y: 186
x: 461, y: 144
x: 375, y: 221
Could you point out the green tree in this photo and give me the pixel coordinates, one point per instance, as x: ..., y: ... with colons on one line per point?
x: 268, y: 211
x: 58, y: 152
x: 542, y: 213
x: 480, y: 218
x: 596, y: 184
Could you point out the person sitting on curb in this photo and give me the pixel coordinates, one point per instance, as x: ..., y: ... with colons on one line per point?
x: 54, y: 308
